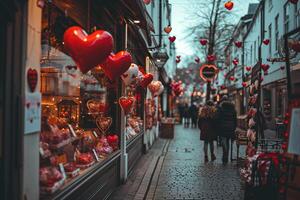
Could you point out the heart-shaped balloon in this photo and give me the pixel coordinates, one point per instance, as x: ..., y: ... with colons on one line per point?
x: 235, y: 61
x: 154, y: 87
x: 32, y: 79
x: 103, y: 123
x: 266, y: 41
x: 126, y: 104
x: 265, y: 67
x: 232, y: 78
x: 203, y: 42
x: 238, y: 44
x: 248, y: 68
x: 146, y: 80
x: 168, y: 29
x: 177, y: 60
x: 244, y: 84
x: 282, y: 67
x: 87, y: 50
x: 160, y: 90
x: 117, y: 64
x: 172, y: 39
x: 229, y: 5
x: 131, y: 74
x: 211, y: 58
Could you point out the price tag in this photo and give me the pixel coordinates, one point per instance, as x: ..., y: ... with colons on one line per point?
x: 72, y: 130
x: 62, y: 169
x: 96, y: 155
x: 95, y: 134
x: 42, y: 151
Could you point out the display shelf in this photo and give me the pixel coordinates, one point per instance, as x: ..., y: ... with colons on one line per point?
x: 98, y: 176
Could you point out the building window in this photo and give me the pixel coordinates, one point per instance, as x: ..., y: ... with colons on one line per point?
x: 276, y: 32
x: 296, y: 15
x: 286, y: 17
x: 270, y: 38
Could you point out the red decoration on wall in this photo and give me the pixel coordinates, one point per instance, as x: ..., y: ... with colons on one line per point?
x: 117, y: 64
x: 229, y: 5
x: 203, y: 42
x: 238, y: 44
x: 87, y: 51
x: 235, y: 61
x: 265, y: 67
x: 248, y: 68
x: 172, y: 39
x: 266, y: 41
x: 32, y: 79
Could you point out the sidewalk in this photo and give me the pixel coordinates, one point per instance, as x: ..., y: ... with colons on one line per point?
x: 175, y: 169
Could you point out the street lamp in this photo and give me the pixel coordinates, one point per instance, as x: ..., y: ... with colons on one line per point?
x: 160, y: 58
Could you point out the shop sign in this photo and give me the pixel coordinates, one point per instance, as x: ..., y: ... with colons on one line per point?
x: 32, y: 119
x: 208, y: 72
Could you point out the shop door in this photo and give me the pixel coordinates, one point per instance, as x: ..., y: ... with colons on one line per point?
x: 11, y: 73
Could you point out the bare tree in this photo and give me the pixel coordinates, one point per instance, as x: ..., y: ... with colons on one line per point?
x: 213, y: 22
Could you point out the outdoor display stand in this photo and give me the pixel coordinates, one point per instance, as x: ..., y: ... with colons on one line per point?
x: 167, y: 128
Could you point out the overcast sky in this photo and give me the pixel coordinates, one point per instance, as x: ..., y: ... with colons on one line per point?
x: 180, y: 15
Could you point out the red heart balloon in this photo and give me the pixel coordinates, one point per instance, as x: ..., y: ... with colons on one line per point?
x: 178, y: 60
x: 232, y: 78
x: 244, y: 84
x: 266, y: 41
x: 126, y: 103
x: 235, y: 61
x: 117, y: 64
x: 146, y: 80
x: 248, y: 68
x: 32, y: 79
x: 168, y: 29
x: 178, y: 57
x: 203, y: 42
x: 211, y: 58
x: 87, y: 50
x: 238, y: 44
x: 112, y: 139
x: 172, y: 39
x: 265, y: 67
x: 229, y: 5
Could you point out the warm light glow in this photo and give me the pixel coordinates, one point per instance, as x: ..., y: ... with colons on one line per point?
x: 75, y: 32
x: 136, y: 21
x: 85, y: 39
x: 98, y: 35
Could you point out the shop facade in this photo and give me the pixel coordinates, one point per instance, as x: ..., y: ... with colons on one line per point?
x: 72, y: 139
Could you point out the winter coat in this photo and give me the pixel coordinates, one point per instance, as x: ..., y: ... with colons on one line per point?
x: 186, y: 113
x: 207, y: 123
x: 227, y: 120
x: 193, y: 111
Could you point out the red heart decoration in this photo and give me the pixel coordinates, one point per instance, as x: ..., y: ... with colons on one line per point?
x: 168, y: 29
x: 211, y: 58
x: 282, y: 67
x: 238, y: 44
x: 147, y: 2
x: 232, y: 78
x: 235, y: 61
x: 87, y: 50
x: 265, y: 67
x: 293, y: 1
x: 146, y: 80
x: 178, y: 60
x: 154, y: 87
x: 103, y: 123
x: 203, y: 42
x: 197, y: 60
x: 117, y: 64
x: 223, y: 87
x: 229, y: 5
x: 126, y: 103
x: 172, y: 39
x: 178, y: 57
x: 248, y: 68
x: 32, y: 79
x: 244, y: 84
x: 266, y: 41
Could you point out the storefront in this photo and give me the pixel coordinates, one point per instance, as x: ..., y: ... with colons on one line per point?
x: 71, y: 138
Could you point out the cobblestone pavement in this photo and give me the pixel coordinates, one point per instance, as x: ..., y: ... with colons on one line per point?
x: 181, y: 172
x: 184, y: 175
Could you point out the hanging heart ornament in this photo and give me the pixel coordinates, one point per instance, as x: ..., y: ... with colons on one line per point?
x: 126, y: 103
x: 146, y: 80
x: 103, y: 123
x: 87, y: 50
x: 117, y: 64
x: 32, y: 79
x: 156, y: 88
x: 130, y: 76
x: 96, y: 106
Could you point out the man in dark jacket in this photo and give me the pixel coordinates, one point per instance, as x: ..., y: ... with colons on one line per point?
x: 227, y: 122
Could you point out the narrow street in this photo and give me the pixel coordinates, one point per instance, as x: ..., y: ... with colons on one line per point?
x: 181, y: 172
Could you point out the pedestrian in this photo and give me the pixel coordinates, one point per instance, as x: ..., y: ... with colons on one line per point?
x: 206, y: 123
x: 194, y: 114
x: 227, y: 122
x: 181, y: 112
x: 186, y: 116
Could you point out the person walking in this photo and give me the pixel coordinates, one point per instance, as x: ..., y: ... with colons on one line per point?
x: 194, y: 114
x: 206, y: 124
x: 227, y: 122
x: 186, y: 116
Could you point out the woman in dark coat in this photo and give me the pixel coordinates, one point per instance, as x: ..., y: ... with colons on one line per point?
x: 206, y: 123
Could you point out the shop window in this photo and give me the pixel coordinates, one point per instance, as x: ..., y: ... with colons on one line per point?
x: 267, y: 104
x: 79, y: 113
x: 286, y: 17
